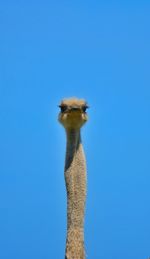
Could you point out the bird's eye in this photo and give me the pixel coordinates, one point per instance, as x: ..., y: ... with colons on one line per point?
x: 63, y: 108
x: 84, y: 108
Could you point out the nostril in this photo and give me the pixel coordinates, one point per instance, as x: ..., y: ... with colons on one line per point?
x: 75, y: 108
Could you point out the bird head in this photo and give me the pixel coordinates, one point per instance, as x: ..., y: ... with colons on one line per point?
x: 73, y: 113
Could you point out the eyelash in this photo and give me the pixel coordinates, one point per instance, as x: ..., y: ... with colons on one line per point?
x: 63, y: 108
x: 84, y: 108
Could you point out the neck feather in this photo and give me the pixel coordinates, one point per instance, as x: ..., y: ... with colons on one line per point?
x: 73, y: 143
x: 75, y: 177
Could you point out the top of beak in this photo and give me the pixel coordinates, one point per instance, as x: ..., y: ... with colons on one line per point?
x: 74, y: 108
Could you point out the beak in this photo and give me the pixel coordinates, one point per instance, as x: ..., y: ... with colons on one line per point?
x: 74, y: 108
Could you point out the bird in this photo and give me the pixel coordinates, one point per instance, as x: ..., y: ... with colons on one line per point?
x: 73, y: 116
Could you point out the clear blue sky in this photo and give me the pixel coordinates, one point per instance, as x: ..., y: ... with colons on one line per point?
x: 100, y: 51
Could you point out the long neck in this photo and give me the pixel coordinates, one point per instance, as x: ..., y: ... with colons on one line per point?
x: 75, y: 177
x: 73, y: 142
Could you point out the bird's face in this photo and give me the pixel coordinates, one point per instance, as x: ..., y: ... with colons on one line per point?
x: 73, y: 113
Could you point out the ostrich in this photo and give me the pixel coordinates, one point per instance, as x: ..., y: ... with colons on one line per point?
x: 72, y: 116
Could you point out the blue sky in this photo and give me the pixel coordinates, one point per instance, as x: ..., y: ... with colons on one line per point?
x: 100, y: 51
